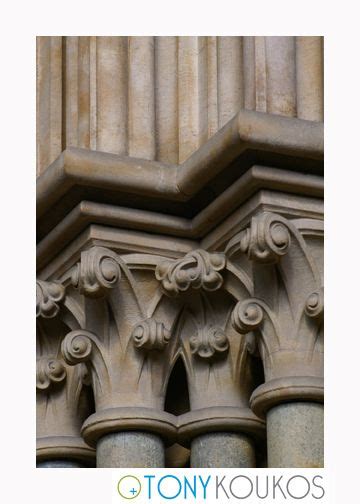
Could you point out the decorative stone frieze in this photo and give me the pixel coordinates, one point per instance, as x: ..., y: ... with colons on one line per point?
x: 61, y: 401
x: 286, y: 311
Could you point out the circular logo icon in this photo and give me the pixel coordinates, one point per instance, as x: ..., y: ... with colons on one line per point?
x: 129, y: 487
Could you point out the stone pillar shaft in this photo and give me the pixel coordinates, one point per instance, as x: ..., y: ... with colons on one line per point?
x: 130, y: 449
x: 222, y: 449
x: 295, y: 435
x: 59, y: 464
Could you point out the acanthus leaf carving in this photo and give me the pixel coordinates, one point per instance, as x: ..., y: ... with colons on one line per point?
x: 150, y: 335
x: 198, y: 269
x: 96, y: 272
x: 48, y: 298
x: 49, y: 370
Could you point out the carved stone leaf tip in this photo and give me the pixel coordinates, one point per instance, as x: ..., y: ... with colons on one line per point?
x: 96, y: 272
x: 208, y: 342
x: 77, y: 346
x: 314, y: 307
x: 266, y: 240
x: 197, y: 269
x: 48, y: 297
x: 48, y: 371
x: 150, y: 335
x: 247, y: 316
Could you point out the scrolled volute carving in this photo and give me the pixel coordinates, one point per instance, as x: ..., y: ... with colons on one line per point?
x: 247, y: 315
x: 48, y: 297
x: 209, y: 342
x: 49, y: 371
x: 96, y: 272
x: 198, y: 269
x: 266, y: 240
x: 150, y: 335
x: 314, y: 307
x: 77, y: 346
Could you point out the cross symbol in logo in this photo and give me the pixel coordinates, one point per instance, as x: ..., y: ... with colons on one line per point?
x: 133, y: 491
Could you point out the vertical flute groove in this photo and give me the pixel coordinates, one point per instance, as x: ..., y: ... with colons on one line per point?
x: 309, y: 78
x: 93, y: 91
x: 230, y: 75
x: 84, y: 93
x: 141, y: 94
x: 71, y: 91
x: 260, y: 74
x: 249, y: 73
x: 192, y: 71
x: 111, y: 94
x: 281, y: 77
x: 166, y: 90
x: 49, y: 97
x: 213, y: 119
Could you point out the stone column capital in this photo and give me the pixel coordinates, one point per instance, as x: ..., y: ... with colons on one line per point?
x: 61, y: 402
x: 217, y: 359
x: 285, y: 312
x: 127, y: 345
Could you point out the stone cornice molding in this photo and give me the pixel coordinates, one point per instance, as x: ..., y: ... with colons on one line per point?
x: 247, y: 131
x: 128, y: 241
x: 61, y: 404
x: 253, y: 180
x: 286, y: 311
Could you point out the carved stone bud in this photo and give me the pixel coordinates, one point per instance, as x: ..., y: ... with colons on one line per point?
x: 197, y: 269
x: 209, y: 341
x: 96, y: 272
x: 247, y: 316
x: 150, y: 335
x: 76, y: 347
x: 48, y: 296
x: 314, y: 307
x: 49, y: 371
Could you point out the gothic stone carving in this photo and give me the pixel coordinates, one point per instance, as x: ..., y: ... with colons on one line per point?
x: 198, y: 269
x: 61, y: 402
x: 127, y: 345
x: 218, y: 361
x: 286, y: 311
